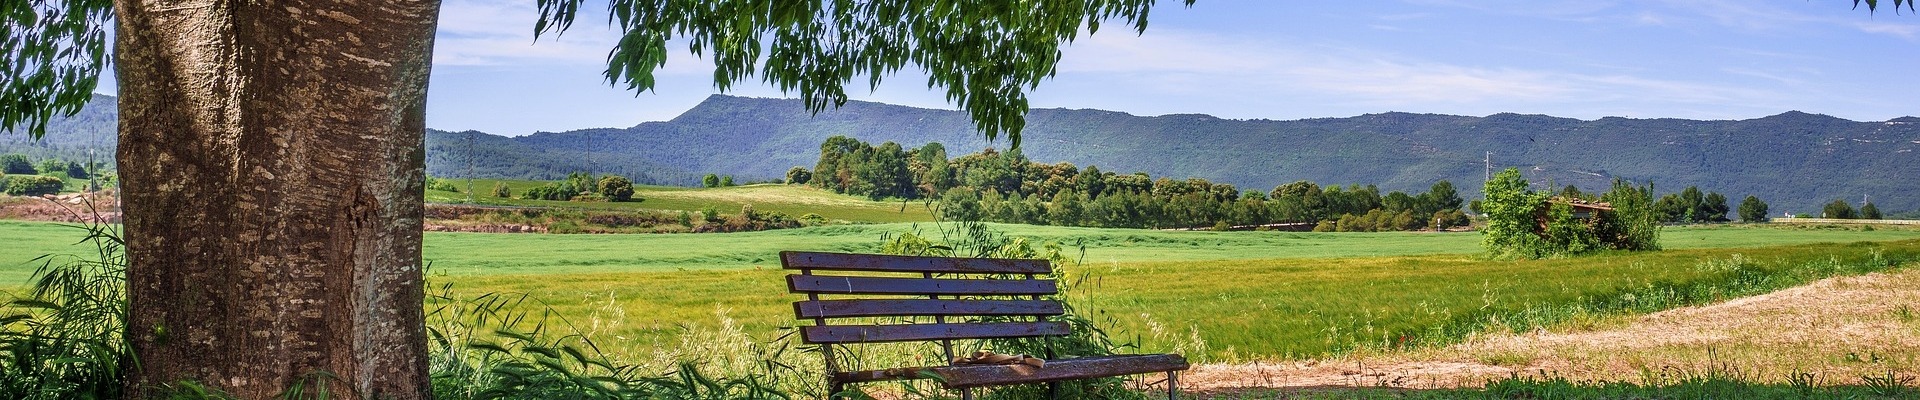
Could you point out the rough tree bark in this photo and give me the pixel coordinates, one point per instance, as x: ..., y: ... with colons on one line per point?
x: 271, y: 154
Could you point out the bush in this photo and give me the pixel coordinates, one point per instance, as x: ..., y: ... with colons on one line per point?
x: 799, y: 176
x: 441, y: 184
x: 77, y: 171
x: 501, y: 190
x: 16, y: 164
x: 616, y: 188
x: 34, y: 185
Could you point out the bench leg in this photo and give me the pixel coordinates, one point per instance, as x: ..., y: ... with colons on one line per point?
x: 1053, y: 390
x: 1173, y: 385
x: 966, y: 394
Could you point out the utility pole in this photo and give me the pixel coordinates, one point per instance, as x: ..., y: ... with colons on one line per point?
x: 1489, y: 164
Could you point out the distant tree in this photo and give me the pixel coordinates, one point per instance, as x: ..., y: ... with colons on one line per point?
x: 1838, y: 209
x: 16, y: 164
x: 799, y: 176
x: 726, y: 180
x: 1713, y: 208
x: 1692, y: 205
x: 1397, y: 201
x: 1571, y: 192
x: 1510, y: 209
x: 710, y: 180
x: 52, y: 166
x: 501, y: 190
x: 1869, y: 211
x: 1066, y: 208
x: 1670, y: 209
x: 1753, y: 210
x: 1444, y: 196
x: 76, y: 171
x: 1635, y: 222
x: 616, y: 188
x: 961, y: 204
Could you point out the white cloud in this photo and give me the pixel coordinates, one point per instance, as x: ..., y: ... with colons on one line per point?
x: 500, y: 32
x: 1194, y: 64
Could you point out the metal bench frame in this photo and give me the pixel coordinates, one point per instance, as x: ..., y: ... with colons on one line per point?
x: 945, y: 287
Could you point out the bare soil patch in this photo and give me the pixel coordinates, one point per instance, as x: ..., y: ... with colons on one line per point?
x: 1838, y: 329
x: 70, y: 207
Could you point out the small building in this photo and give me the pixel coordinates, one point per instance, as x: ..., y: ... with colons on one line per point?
x: 1582, y: 210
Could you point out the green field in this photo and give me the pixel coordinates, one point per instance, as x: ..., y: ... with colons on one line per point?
x: 1217, y: 295
x: 793, y: 200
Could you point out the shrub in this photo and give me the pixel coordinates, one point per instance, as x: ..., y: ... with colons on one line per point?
x: 616, y: 188
x: 77, y: 171
x: 52, y: 166
x: 34, y: 185
x: 710, y: 180
x: 16, y: 164
x: 501, y: 190
x: 799, y: 176
x: 441, y: 184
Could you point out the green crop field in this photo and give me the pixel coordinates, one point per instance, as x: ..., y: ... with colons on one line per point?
x: 1221, y: 295
x: 793, y: 200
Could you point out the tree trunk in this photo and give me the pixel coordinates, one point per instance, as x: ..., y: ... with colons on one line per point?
x: 272, y: 158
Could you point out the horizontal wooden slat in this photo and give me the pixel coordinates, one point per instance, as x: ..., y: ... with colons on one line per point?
x: 967, y: 376
x: 837, y: 334
x: 891, y: 263
x: 906, y: 307
x: 875, y: 285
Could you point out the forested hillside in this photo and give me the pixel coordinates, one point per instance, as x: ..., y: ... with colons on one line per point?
x: 1795, y: 161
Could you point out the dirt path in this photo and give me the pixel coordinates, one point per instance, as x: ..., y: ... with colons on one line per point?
x: 1838, y: 329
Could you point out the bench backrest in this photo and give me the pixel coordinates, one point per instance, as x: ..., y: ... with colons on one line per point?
x: 871, y: 285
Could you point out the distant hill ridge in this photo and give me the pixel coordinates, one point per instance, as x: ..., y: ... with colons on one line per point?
x: 1794, y: 160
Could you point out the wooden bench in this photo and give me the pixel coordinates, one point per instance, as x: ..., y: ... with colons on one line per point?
x: 957, y: 293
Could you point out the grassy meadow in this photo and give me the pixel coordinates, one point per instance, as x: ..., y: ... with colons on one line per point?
x: 793, y: 200
x: 1216, y: 296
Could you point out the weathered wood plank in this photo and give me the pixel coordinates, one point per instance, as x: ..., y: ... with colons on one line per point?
x: 968, y: 376
x: 838, y: 334
x: 891, y: 263
x: 823, y: 284
x: 907, y: 307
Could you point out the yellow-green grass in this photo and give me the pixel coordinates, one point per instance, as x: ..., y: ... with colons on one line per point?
x: 485, y: 253
x: 534, y: 254
x: 1223, y: 310
x: 794, y: 200
x: 1246, y: 294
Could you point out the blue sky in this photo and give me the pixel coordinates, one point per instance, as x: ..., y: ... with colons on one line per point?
x: 1700, y: 59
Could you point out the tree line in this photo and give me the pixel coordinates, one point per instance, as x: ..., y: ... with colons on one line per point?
x: 997, y: 186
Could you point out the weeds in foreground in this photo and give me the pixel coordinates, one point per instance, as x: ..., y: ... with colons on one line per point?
x: 66, y: 340
x: 1670, y: 384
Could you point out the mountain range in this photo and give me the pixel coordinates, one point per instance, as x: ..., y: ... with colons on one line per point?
x: 1794, y: 160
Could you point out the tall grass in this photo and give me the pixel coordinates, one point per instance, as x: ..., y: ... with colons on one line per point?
x: 65, y: 339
